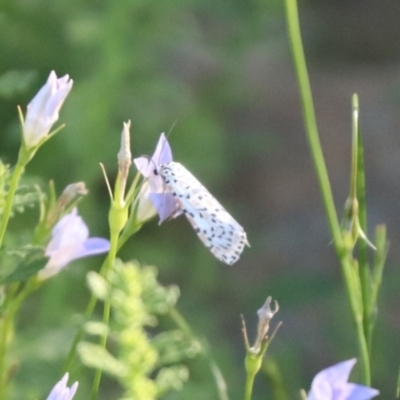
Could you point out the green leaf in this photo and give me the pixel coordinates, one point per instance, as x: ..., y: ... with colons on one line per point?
x: 96, y: 328
x: 175, y: 346
x: 98, y: 285
x: 26, y: 270
x: 171, y: 378
x: 95, y: 356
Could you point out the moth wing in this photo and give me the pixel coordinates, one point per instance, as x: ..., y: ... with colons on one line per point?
x: 216, y: 228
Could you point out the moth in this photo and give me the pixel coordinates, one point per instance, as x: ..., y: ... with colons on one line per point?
x: 216, y: 228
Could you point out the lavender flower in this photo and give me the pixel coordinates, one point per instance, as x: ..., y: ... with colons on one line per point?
x: 61, y: 392
x: 153, y: 196
x: 43, y: 110
x: 331, y: 384
x: 70, y: 241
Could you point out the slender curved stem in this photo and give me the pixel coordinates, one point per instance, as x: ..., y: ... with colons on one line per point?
x: 221, y: 386
x: 310, y: 120
x: 351, y: 278
x: 78, y: 336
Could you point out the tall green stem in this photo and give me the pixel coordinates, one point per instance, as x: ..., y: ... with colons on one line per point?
x: 357, y: 169
x: 88, y: 313
x: 12, y: 305
x: 89, y: 310
x: 78, y: 336
x: 345, y: 257
x: 354, y: 148
x: 310, y: 120
x: 19, y: 169
x: 215, y: 370
x: 354, y: 295
x: 107, y: 306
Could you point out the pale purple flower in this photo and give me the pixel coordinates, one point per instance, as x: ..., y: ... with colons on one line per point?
x: 70, y: 241
x: 61, y: 391
x: 145, y: 209
x: 43, y: 110
x: 331, y: 384
x: 154, y: 196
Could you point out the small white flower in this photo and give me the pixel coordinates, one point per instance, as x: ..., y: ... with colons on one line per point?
x: 43, y: 110
x: 61, y: 391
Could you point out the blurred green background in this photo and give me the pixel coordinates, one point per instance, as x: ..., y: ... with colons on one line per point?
x: 219, y: 74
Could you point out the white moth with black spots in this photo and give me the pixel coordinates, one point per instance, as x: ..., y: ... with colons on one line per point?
x: 214, y: 225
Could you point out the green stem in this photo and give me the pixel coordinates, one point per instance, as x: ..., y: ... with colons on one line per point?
x: 354, y: 148
x: 92, y: 303
x: 354, y: 295
x: 249, y: 385
x: 379, y: 263
x: 363, y: 268
x: 310, y: 120
x: 107, y: 305
x: 180, y: 321
x: 215, y: 370
x: 275, y: 379
x: 78, y: 336
x: 19, y: 169
x: 11, y: 305
x: 323, y: 179
x: 126, y: 234
x: 5, y: 329
x: 357, y: 191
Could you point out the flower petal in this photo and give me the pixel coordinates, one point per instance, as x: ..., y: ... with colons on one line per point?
x: 70, y: 241
x: 163, y: 152
x: 93, y: 246
x: 166, y: 205
x: 337, y: 375
x: 332, y: 384
x: 70, y: 231
x: 162, y: 155
x: 42, y: 111
x: 61, y: 392
x: 357, y: 392
x: 142, y: 165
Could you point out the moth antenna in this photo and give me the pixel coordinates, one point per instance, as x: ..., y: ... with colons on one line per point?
x: 172, y: 127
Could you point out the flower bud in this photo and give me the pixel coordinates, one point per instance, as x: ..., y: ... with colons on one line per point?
x: 42, y: 111
x: 61, y: 391
x: 124, y: 154
x: 265, y: 315
x: 71, y: 192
